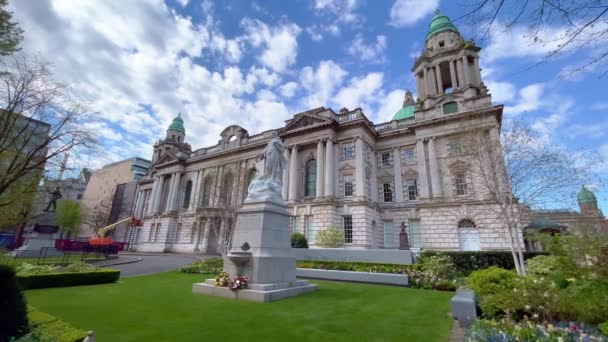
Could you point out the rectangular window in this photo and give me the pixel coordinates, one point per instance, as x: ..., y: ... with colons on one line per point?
x: 389, y: 234
x: 415, y: 234
x: 387, y: 191
x: 349, y: 151
x: 297, y: 225
x: 310, y: 233
x: 409, y: 155
x: 151, y: 235
x: 455, y: 147
x: 385, y: 159
x: 461, y: 184
x: 348, y: 186
x: 193, y: 232
x: 178, y: 232
x: 156, y: 232
x: 347, y: 223
x: 412, y: 189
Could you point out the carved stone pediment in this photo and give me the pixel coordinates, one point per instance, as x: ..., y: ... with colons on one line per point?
x: 409, y: 172
x: 307, y: 120
x: 459, y: 165
x: 346, y: 167
x: 167, y: 158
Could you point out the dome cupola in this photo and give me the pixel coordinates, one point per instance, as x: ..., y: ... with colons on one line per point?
x: 440, y: 23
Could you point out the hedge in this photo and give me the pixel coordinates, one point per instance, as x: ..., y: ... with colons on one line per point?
x: 46, y: 327
x: 467, y: 262
x: 356, y: 266
x: 63, y: 279
x: 14, y: 321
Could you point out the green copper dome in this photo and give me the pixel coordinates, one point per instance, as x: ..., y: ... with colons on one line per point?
x: 177, y: 124
x: 440, y: 23
x: 586, y: 196
x: 405, y: 113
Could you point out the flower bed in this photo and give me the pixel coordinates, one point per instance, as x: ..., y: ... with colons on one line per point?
x: 507, y: 331
x: 467, y: 262
x: 208, y: 266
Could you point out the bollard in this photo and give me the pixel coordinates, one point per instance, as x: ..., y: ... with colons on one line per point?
x: 463, y: 308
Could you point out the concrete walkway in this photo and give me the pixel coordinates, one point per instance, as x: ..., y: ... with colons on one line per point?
x: 153, y: 263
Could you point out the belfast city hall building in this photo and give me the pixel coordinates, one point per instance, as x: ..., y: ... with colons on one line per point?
x: 344, y: 171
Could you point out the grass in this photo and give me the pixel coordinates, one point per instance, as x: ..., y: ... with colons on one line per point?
x: 162, y: 307
x: 72, y: 258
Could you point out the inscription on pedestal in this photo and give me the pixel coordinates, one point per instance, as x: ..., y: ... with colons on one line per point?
x: 251, y: 221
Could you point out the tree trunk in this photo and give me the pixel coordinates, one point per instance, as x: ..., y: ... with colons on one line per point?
x: 513, y: 252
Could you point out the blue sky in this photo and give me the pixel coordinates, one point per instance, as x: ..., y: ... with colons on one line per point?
x: 256, y: 63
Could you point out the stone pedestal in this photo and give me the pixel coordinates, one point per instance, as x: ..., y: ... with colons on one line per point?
x: 261, y: 251
x: 34, y: 240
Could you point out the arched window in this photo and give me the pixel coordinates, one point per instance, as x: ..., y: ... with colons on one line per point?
x: 227, y: 186
x: 310, y: 179
x: 207, y: 185
x: 468, y: 235
x: 187, y: 195
x: 248, y: 181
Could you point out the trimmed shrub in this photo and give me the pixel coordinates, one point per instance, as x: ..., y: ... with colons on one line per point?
x: 14, y: 321
x: 543, y: 265
x: 356, y: 266
x: 26, y: 268
x: 298, y: 240
x: 330, y: 238
x: 208, y: 266
x: 497, y: 289
x: 46, y: 327
x: 39, y: 281
x: 467, y: 262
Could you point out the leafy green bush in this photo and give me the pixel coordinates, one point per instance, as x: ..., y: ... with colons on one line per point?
x: 584, y: 300
x: 604, y: 328
x: 48, y: 328
x: 467, y: 262
x: 498, y: 289
x: 208, y: 266
x: 543, y: 265
x: 330, y: 238
x: 14, y: 322
x: 38, y: 281
x: 79, y: 267
x: 298, y: 240
x: 436, y: 272
x: 26, y: 268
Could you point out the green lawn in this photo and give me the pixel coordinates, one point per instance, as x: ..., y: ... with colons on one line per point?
x: 72, y: 258
x: 162, y: 307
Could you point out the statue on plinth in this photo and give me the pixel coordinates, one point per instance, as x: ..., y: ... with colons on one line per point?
x: 268, y: 184
x: 55, y: 195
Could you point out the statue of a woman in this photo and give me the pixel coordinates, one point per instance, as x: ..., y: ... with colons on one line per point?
x: 268, y: 184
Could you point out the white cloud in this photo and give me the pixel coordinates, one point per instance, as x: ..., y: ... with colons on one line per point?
x: 321, y: 83
x: 184, y: 3
x: 599, y: 106
x: 409, y: 12
x: 588, y: 131
x: 344, y: 10
x: 372, y: 52
x: 279, y: 44
x: 501, y: 91
x: 288, y: 89
x: 360, y: 92
x: 390, y: 104
x: 317, y: 32
x: 529, y: 99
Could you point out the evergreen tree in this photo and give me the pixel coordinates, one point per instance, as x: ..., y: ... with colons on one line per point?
x: 10, y: 32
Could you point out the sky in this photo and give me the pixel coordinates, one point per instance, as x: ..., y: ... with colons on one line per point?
x: 257, y: 63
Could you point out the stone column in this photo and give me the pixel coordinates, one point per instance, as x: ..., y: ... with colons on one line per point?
x: 465, y: 71
x: 153, y: 195
x: 432, y: 81
x: 175, y: 200
x: 139, y: 207
x: 320, y: 169
x: 423, y: 182
x: 293, y: 174
x: 159, y: 194
x: 397, y: 175
x: 374, y: 178
x: 170, y: 195
x: 329, y: 168
x: 453, y: 75
x: 286, y: 154
x: 439, y: 81
x: 459, y: 73
x: 205, y: 232
x: 476, y: 72
x: 194, y: 193
x: 434, y: 167
x: 359, y: 168
x: 420, y: 87
x: 427, y: 89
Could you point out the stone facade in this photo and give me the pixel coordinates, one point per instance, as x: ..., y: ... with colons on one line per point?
x: 343, y: 170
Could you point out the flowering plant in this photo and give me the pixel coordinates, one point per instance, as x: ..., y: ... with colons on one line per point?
x: 222, y: 279
x: 238, y: 283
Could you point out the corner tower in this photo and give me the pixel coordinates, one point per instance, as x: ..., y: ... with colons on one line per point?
x: 174, y: 141
x: 447, y: 72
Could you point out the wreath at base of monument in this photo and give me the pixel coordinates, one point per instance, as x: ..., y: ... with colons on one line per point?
x: 238, y: 283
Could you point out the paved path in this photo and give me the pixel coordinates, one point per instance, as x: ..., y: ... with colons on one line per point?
x: 150, y: 264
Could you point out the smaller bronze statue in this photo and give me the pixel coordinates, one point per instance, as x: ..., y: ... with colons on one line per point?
x: 55, y: 195
x: 404, y: 242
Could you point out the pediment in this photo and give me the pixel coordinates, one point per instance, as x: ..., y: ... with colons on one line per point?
x: 459, y: 165
x: 306, y: 120
x: 346, y: 167
x: 409, y: 172
x: 384, y: 174
x: 167, y: 158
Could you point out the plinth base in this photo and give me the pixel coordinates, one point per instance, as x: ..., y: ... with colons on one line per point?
x: 256, y: 292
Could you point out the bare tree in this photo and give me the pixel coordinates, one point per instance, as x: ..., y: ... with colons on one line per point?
x: 519, y: 171
x: 581, y: 24
x: 98, y: 216
x: 40, y: 121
